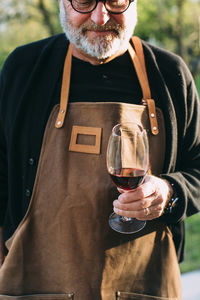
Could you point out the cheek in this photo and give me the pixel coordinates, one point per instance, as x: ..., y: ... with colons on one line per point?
x: 128, y: 18
x: 119, y: 19
x: 76, y: 19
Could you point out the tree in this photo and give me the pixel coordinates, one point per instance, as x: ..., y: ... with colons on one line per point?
x: 25, y: 21
x: 39, y: 11
x: 172, y: 24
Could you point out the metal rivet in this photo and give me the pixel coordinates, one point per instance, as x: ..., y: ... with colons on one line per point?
x: 59, y: 122
x: 154, y: 128
x: 152, y: 115
x: 62, y: 111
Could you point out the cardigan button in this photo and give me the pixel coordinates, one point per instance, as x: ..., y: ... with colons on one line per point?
x: 31, y: 161
x: 27, y: 193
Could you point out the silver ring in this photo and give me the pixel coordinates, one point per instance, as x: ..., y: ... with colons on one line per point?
x: 147, y: 211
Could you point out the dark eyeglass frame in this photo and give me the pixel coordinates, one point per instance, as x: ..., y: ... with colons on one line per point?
x: 104, y: 1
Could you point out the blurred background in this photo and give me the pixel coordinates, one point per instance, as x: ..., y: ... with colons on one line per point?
x: 171, y: 24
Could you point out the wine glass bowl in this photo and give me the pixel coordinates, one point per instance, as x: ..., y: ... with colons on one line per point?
x: 127, y: 164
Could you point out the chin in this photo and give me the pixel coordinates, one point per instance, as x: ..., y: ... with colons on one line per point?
x: 102, y: 47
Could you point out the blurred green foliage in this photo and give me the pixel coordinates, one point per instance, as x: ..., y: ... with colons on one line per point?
x: 172, y: 24
x: 197, y: 80
x: 192, y: 245
x: 25, y: 21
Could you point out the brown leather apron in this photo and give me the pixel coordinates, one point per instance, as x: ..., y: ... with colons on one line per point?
x: 64, y: 244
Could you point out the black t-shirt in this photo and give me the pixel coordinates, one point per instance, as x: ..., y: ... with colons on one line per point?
x: 114, y: 81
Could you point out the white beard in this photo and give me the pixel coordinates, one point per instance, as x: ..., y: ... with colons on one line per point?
x: 100, y: 47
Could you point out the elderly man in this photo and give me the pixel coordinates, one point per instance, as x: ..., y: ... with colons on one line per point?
x: 55, y: 191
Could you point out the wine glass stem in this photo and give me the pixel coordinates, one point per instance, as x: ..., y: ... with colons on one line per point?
x: 126, y: 219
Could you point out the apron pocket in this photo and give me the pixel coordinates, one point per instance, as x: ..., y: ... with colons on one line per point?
x: 136, y: 296
x: 64, y: 296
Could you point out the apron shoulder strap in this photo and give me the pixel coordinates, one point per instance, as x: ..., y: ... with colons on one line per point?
x: 138, y: 60
x: 64, y: 89
x: 139, y: 64
x: 139, y: 51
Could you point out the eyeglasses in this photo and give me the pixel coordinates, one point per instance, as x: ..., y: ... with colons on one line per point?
x: 112, y: 6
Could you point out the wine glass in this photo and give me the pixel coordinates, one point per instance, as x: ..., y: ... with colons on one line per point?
x: 127, y: 164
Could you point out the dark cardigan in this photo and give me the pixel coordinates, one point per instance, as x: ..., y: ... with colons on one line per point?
x: 27, y: 89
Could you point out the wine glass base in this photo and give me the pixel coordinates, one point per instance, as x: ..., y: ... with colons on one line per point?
x: 117, y: 223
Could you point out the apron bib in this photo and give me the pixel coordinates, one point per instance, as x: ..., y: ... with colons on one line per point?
x: 64, y: 245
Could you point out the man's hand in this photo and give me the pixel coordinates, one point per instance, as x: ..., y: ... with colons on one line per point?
x: 147, y: 201
x: 2, y: 255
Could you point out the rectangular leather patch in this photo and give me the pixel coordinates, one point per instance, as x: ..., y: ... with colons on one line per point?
x: 91, y: 143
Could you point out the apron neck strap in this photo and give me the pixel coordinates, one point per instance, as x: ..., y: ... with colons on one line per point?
x: 138, y: 60
x: 65, y: 88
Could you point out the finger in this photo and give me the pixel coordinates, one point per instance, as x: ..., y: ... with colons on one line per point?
x: 121, y: 191
x: 154, y: 212
x: 150, y: 213
x: 130, y: 196
x: 154, y: 200
x: 140, y: 193
x: 131, y: 206
x: 146, y: 189
x: 130, y: 201
x: 124, y: 213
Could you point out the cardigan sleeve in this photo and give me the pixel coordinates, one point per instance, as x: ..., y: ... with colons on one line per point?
x: 186, y: 177
x: 3, y: 158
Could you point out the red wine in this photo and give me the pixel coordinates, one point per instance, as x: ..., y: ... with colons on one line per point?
x: 128, y: 179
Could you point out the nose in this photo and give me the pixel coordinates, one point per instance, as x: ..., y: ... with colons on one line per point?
x: 100, y: 15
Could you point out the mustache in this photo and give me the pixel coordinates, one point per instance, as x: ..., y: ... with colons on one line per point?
x: 106, y: 27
